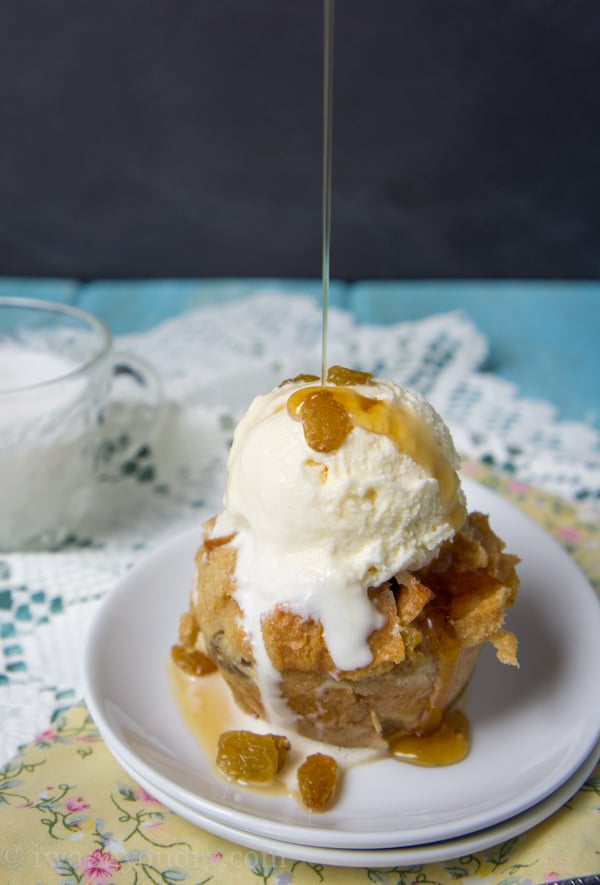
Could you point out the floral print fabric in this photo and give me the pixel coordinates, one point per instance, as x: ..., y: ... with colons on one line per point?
x: 69, y: 814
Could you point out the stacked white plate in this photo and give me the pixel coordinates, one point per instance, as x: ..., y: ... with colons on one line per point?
x: 535, y: 730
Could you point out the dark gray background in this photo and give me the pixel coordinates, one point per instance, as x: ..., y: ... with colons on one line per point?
x: 183, y: 138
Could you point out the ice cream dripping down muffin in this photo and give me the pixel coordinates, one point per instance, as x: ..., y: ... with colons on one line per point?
x: 344, y: 592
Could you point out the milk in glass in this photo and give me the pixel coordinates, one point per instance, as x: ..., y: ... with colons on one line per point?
x: 49, y: 411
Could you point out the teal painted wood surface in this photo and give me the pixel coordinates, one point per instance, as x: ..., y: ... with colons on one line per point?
x: 543, y: 336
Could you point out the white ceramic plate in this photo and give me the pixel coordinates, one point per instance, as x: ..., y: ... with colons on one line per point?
x: 532, y: 727
x: 435, y: 852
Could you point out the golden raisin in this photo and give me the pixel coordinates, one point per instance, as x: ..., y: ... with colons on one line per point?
x: 300, y: 379
x: 325, y: 421
x: 251, y: 758
x: 317, y: 780
x: 194, y: 663
x: 343, y: 377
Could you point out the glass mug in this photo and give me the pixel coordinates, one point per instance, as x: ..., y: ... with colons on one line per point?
x: 57, y: 367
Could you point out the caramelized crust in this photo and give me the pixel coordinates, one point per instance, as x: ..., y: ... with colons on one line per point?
x: 412, y: 597
x: 422, y: 657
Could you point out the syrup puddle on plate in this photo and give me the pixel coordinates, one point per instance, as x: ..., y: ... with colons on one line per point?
x: 208, y: 709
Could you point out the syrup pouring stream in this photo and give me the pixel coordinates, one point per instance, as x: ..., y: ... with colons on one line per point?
x: 328, y: 22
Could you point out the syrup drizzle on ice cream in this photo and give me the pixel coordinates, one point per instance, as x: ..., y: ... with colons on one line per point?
x: 329, y: 414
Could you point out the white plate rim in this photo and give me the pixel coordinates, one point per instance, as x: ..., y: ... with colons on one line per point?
x: 323, y: 834
x: 433, y: 852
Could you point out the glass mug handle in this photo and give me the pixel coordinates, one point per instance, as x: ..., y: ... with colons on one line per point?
x: 129, y: 420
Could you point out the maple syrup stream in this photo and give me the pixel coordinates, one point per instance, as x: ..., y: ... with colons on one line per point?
x: 328, y: 31
x: 450, y: 742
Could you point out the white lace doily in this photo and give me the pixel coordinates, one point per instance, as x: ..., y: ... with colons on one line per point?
x: 211, y: 362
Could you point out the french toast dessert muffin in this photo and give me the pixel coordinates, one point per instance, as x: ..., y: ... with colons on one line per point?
x: 345, y: 591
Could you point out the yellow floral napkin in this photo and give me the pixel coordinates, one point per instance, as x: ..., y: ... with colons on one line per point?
x: 69, y: 814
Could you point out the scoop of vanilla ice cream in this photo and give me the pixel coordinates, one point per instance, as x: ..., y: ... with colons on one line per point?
x: 314, y: 530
